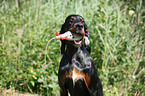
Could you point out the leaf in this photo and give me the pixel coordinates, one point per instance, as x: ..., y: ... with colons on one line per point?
x: 34, y: 77
x: 33, y: 83
x: 131, y: 12
x: 40, y: 80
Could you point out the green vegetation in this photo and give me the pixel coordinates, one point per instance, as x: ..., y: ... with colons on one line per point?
x: 117, y: 35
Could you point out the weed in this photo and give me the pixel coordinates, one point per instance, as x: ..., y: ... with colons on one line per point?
x: 117, y: 35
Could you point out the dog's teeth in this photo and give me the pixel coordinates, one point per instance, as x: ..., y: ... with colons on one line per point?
x: 77, y: 42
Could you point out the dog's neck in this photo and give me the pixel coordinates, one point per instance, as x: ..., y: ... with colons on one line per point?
x: 78, y: 57
x: 71, y: 50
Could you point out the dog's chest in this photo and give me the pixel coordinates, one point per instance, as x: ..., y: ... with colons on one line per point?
x: 76, y: 75
x: 76, y: 68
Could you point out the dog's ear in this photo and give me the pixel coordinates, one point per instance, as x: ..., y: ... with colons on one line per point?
x: 86, y: 31
x: 63, y: 42
x: 87, y: 45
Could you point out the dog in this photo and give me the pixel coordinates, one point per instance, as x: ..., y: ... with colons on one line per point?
x: 77, y: 75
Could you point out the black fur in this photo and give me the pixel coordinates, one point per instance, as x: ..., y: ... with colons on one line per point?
x: 77, y: 74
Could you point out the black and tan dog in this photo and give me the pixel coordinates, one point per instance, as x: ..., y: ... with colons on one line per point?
x: 77, y: 74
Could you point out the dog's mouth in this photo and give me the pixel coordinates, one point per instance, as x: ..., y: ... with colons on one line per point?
x: 78, y: 42
x: 80, y: 34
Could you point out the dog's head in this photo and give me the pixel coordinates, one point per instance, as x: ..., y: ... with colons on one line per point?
x: 75, y: 24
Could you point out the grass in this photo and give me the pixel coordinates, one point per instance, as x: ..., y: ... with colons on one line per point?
x: 13, y: 92
x: 117, y: 35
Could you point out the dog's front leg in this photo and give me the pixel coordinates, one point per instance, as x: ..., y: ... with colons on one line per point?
x: 63, y: 92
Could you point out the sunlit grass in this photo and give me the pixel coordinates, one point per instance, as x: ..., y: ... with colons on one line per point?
x: 116, y: 35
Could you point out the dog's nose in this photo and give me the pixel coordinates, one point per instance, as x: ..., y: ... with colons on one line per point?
x: 79, y: 26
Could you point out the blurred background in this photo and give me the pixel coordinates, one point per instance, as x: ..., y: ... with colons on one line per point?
x: 117, y: 35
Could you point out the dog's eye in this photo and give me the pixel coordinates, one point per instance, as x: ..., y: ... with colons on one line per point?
x: 82, y: 21
x: 71, y: 21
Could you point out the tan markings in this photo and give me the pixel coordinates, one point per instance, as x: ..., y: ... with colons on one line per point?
x: 64, y: 76
x: 71, y: 29
x: 72, y: 17
x: 80, y: 75
x: 76, y: 75
x: 81, y: 18
x: 83, y: 30
x: 87, y: 80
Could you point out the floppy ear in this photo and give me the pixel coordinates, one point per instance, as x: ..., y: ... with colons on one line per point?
x: 86, y: 43
x: 63, y: 42
x: 86, y: 30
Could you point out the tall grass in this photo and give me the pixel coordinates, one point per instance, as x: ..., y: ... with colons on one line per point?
x: 116, y: 34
